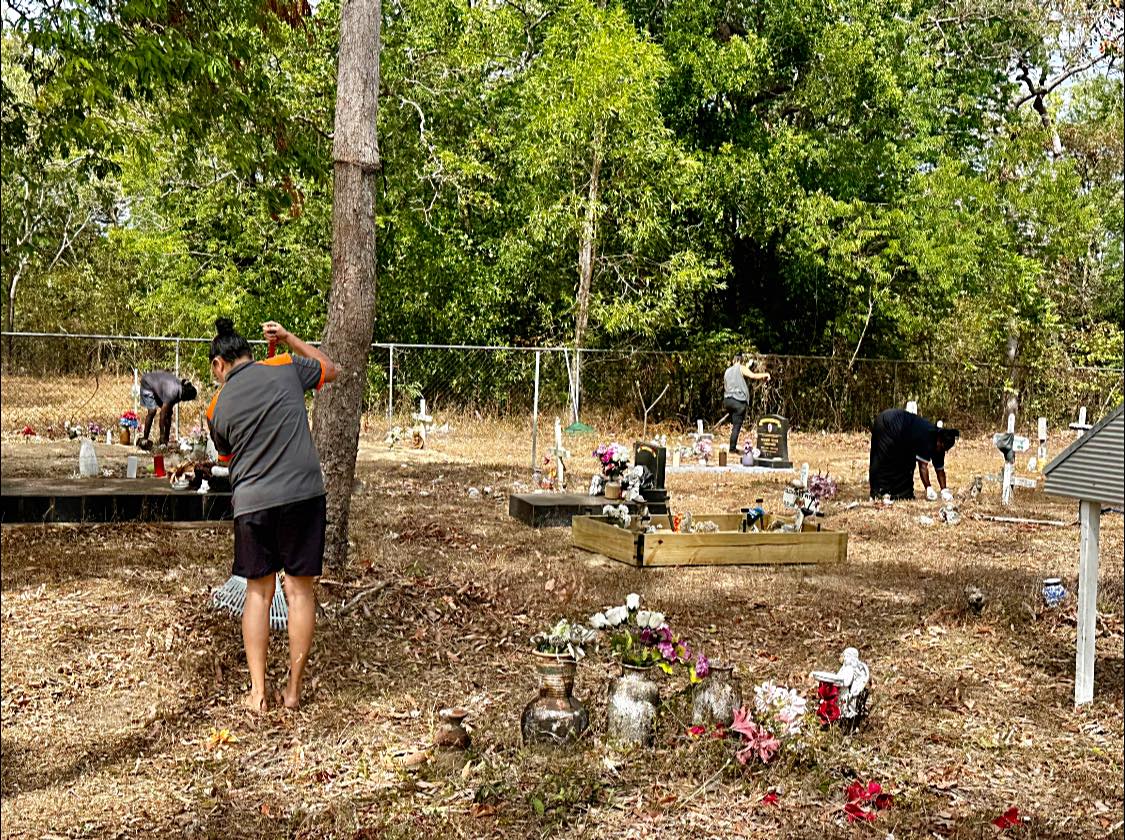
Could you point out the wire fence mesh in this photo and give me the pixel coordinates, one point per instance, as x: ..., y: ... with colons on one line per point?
x: 49, y: 379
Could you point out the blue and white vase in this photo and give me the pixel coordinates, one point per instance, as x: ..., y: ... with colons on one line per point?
x: 1053, y: 591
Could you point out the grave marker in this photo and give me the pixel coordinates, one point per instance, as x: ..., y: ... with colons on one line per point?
x: 654, y: 458
x: 773, y: 442
x: 561, y: 456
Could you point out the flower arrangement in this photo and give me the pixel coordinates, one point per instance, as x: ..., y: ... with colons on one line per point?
x: 614, y: 459
x: 563, y: 640
x: 394, y: 436
x: 828, y: 709
x: 865, y: 800
x: 617, y: 515
x: 703, y: 447
x: 96, y: 431
x: 822, y: 487
x: 74, y: 430
x: 749, y: 448
x: 775, y: 721
x: 128, y: 419
x: 642, y: 638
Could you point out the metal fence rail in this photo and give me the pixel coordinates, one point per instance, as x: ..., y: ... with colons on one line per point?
x: 51, y: 378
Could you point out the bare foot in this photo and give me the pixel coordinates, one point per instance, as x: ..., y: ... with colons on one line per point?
x: 291, y: 701
x: 255, y: 702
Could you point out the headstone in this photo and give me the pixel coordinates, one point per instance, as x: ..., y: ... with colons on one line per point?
x: 654, y: 457
x: 773, y: 442
x: 1081, y: 426
x: 1041, y: 452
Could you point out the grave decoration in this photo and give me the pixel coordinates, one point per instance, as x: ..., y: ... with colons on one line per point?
x: 716, y: 696
x: 773, y: 725
x: 843, y: 694
x: 394, y: 437
x: 1009, y: 444
x: 74, y: 430
x: 617, y: 515
x: 773, y: 442
x: 128, y: 426
x: 556, y: 716
x: 641, y: 641
x: 749, y: 453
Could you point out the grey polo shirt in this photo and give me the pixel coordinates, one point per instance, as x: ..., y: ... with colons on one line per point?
x: 259, y: 425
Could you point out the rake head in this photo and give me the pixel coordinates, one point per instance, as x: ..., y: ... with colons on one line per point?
x: 231, y: 598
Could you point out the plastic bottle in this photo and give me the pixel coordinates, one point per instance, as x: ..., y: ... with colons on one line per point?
x: 87, y: 459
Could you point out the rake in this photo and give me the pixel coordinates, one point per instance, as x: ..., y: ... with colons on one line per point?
x: 231, y: 598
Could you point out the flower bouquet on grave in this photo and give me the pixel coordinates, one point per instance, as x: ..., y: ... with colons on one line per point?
x: 822, y: 487
x: 96, y: 431
x: 128, y: 420
x: 564, y: 640
x: 556, y: 717
x: 614, y: 459
x: 703, y: 448
x: 772, y: 725
x: 394, y: 437
x: 74, y: 430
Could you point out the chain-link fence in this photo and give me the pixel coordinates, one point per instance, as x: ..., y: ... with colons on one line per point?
x: 49, y: 379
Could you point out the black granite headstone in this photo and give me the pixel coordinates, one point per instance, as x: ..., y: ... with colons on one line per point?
x: 654, y: 457
x: 773, y: 442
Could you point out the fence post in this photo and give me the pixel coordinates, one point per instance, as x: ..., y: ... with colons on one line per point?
x: 535, y: 417
x: 176, y: 407
x: 391, y: 382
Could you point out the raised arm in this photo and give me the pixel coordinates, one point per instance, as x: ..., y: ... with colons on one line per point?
x: 274, y: 330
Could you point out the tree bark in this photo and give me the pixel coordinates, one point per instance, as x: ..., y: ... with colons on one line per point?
x: 586, y: 252
x: 351, y: 303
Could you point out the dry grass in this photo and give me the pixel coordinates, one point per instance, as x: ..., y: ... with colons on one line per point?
x: 115, y: 673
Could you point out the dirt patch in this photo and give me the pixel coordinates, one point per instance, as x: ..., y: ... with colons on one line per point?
x: 118, y: 682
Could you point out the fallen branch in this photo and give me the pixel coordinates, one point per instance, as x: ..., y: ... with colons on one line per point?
x: 1016, y: 520
x: 349, y: 605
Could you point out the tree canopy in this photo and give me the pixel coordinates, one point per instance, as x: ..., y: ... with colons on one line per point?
x: 938, y: 179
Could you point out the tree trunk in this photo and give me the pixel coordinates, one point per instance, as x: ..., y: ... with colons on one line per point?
x: 351, y: 304
x: 586, y: 251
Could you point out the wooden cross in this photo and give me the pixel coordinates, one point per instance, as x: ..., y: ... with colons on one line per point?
x: 561, y: 454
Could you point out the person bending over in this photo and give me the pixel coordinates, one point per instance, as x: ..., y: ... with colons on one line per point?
x: 899, y: 440
x: 160, y: 392
x: 260, y: 428
x: 736, y: 395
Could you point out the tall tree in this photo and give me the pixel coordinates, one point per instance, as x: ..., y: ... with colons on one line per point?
x: 351, y: 305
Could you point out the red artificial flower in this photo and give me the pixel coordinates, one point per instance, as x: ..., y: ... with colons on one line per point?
x: 857, y: 792
x: 1008, y: 819
x: 855, y: 812
x: 828, y: 712
x: 27, y: 431
x: 770, y: 799
x: 696, y: 731
x: 884, y: 801
x: 719, y: 731
x: 827, y: 691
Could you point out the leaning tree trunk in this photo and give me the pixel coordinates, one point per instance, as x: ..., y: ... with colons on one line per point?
x: 351, y: 304
x: 586, y: 249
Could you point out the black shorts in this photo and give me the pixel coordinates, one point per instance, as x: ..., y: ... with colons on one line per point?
x: 289, y: 537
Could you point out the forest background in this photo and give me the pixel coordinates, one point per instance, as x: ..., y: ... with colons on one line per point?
x: 933, y: 180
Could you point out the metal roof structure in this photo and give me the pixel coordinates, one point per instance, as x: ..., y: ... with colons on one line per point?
x: 1093, y: 467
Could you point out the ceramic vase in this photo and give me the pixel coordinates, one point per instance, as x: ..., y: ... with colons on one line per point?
x: 1053, y: 591
x: 631, y: 711
x: 715, y: 698
x: 556, y: 716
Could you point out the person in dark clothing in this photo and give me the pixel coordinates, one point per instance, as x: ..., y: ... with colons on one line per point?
x: 899, y: 440
x: 160, y: 392
x: 736, y: 395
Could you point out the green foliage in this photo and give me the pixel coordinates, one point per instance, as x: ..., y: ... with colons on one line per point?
x: 856, y: 179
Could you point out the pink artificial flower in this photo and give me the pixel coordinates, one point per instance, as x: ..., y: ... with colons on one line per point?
x: 758, y: 741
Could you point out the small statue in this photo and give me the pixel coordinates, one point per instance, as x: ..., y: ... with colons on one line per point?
x: 843, y: 693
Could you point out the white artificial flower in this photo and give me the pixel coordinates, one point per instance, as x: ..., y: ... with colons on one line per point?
x: 643, y: 618
x: 616, y: 615
x: 655, y: 620
x: 598, y: 621
x: 632, y: 600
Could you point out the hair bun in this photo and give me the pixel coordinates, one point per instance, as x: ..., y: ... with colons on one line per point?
x: 224, y: 326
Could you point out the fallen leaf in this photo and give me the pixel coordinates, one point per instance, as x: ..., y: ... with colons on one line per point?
x: 1008, y: 819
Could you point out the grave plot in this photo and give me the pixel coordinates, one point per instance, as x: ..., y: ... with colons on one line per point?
x: 108, y: 500
x: 726, y: 546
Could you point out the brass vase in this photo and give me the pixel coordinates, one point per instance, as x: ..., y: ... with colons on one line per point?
x: 556, y: 716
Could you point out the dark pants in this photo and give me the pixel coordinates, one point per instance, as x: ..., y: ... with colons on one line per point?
x: 737, y: 411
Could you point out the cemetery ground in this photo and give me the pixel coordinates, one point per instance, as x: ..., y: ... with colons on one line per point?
x: 121, y: 713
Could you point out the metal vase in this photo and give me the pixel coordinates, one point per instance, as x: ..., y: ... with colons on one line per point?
x: 715, y: 699
x: 556, y: 716
x: 631, y: 710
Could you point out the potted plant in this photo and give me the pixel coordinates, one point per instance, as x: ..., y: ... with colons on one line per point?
x: 556, y: 716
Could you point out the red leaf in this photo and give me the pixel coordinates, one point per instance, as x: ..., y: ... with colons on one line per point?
x: 1008, y: 819
x: 770, y: 799
x: 884, y: 801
